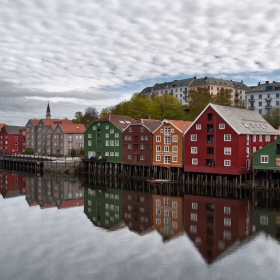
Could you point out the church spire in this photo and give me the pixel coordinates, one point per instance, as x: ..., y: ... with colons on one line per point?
x: 48, y: 113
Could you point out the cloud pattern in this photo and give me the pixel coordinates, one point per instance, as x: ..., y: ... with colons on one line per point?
x: 87, y: 52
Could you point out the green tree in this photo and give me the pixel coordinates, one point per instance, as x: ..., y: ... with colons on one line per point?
x: 273, y: 117
x: 78, y: 118
x: 223, y: 97
x: 198, y: 100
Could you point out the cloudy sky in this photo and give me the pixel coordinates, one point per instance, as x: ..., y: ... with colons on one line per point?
x: 77, y: 54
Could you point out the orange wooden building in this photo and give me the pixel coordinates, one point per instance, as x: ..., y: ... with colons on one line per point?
x: 168, y: 143
x: 168, y: 216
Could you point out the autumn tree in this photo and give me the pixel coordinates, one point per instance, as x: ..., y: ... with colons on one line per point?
x: 198, y: 99
x: 223, y: 97
x: 78, y: 118
x: 273, y: 117
x: 87, y: 118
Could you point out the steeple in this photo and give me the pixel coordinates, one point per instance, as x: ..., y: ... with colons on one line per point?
x: 48, y: 113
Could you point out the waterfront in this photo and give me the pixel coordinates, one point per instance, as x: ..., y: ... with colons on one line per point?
x: 47, y: 231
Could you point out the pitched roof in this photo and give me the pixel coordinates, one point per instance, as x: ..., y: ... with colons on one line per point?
x: 72, y: 128
x: 162, y: 85
x: 121, y: 122
x: 150, y: 124
x: 11, y: 129
x: 182, y: 126
x: 2, y: 124
x: 240, y: 85
x: 266, y: 87
x: 34, y: 121
x: 181, y: 83
x: 243, y: 121
x: 211, y: 81
x: 48, y: 122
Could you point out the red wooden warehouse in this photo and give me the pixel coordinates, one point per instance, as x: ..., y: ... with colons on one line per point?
x: 222, y: 139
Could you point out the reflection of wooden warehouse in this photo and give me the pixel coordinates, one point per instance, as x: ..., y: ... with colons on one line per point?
x: 266, y: 165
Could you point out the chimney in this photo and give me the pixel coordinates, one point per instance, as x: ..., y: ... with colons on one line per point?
x: 259, y: 83
x: 194, y: 77
x: 267, y: 82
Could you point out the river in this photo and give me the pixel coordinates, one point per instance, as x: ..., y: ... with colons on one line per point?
x: 61, y: 227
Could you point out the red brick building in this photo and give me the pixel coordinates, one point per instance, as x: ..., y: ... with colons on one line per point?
x: 12, y: 139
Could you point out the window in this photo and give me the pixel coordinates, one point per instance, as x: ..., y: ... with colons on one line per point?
x: 193, y: 150
x: 264, y: 158
x: 129, y: 157
x: 166, y: 148
x: 111, y: 154
x: 227, y: 151
x: 146, y: 137
x: 166, y: 201
x: 227, y: 210
x: 193, y: 229
x: 198, y: 126
x: 210, y: 116
x: 158, y: 221
x: 267, y: 138
x: 117, y: 135
x: 89, y: 135
x: 167, y: 130
x: 107, y: 135
x: 227, y: 221
x: 116, y: 154
x: 174, y: 214
x: 111, y: 142
x: 130, y: 129
x: 193, y: 137
x: 227, y: 162
x: 167, y: 159
x: 142, y: 147
x: 194, y: 205
x: 277, y: 95
x: 194, y: 161
x: 142, y: 129
x: 227, y: 235
x: 157, y: 202
x: 111, y: 130
x: 94, y: 128
x: 107, y: 142
x: 166, y: 213
x: 158, y: 138
x: 129, y: 146
x: 174, y: 138
x: 166, y: 139
x: 175, y: 149
x: 89, y: 142
x: 260, y: 103
x: 142, y: 157
x: 227, y: 137
x: 158, y: 158
x: 174, y: 204
x: 174, y: 158
x: 221, y: 126
x: 174, y: 225
x: 263, y: 220
x: 158, y: 148
x: 260, y: 138
x: 116, y: 142
x: 106, y: 126
x: 193, y: 217
x: 254, y: 138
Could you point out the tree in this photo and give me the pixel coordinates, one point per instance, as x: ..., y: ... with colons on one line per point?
x: 223, y: 97
x: 273, y: 117
x: 78, y: 118
x: 198, y: 100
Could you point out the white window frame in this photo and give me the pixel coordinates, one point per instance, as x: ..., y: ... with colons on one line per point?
x: 193, y: 150
x: 222, y: 126
x: 158, y: 148
x: 167, y: 139
x: 158, y: 138
x: 193, y: 137
x: 194, y: 161
x: 264, y: 158
x: 227, y: 137
x: 193, y: 217
x: 158, y: 158
x: 174, y: 138
x: 198, y: 126
x: 194, y: 205
x: 227, y: 150
x: 175, y: 149
x: 227, y: 162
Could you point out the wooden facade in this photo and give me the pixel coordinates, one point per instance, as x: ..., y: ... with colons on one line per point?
x: 168, y: 143
x: 138, y: 142
x: 221, y: 140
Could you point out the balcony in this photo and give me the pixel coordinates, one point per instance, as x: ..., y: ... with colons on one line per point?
x: 251, y: 100
x: 210, y: 162
x: 210, y: 139
x: 268, y: 106
x: 268, y: 99
x: 251, y: 108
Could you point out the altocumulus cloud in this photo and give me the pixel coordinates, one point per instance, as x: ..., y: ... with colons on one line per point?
x: 84, y: 53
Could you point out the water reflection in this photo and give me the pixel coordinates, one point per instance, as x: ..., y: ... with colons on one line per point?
x: 47, y: 192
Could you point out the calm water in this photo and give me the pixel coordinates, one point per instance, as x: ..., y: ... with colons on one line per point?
x: 62, y: 228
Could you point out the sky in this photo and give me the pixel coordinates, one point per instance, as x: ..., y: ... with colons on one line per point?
x: 78, y: 54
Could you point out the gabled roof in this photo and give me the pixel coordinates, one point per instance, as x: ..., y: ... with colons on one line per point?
x: 242, y: 121
x: 11, y: 129
x: 150, y: 124
x: 52, y: 122
x: 182, y: 126
x: 240, y: 85
x: 2, y: 124
x: 121, y: 122
x: 72, y: 128
x: 162, y: 85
